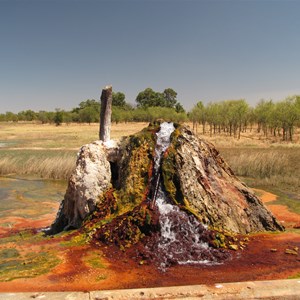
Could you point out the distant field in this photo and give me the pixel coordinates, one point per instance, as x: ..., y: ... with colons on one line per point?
x: 49, y: 151
x: 71, y: 136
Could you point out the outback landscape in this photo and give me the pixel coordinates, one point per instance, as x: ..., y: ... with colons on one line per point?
x: 36, y: 161
x: 187, y: 170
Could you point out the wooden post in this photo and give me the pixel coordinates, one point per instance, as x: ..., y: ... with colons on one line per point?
x: 105, y: 114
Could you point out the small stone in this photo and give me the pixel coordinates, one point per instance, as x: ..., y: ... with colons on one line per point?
x: 273, y: 250
x: 297, y: 226
x: 233, y: 247
x: 291, y: 251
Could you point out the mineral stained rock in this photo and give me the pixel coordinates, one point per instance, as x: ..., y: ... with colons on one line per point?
x: 198, y: 179
x: 90, y: 179
x: 194, y: 176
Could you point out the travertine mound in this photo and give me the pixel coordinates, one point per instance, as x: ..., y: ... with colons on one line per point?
x: 198, y: 179
x: 194, y: 175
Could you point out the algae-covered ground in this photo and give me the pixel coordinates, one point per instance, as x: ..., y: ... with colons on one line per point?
x: 31, y: 261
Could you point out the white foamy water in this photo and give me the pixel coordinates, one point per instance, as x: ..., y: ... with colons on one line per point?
x: 163, y: 142
x: 180, y: 234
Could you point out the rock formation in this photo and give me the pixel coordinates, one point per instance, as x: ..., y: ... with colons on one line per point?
x: 90, y: 179
x: 113, y: 185
x: 197, y: 178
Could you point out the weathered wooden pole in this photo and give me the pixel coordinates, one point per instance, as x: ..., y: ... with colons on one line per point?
x: 105, y: 114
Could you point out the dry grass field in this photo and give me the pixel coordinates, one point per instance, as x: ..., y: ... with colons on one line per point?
x: 49, y: 151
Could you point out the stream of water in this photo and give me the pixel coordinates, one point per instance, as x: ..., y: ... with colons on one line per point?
x: 183, y: 239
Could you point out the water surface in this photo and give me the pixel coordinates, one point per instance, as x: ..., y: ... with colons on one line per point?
x: 29, y: 199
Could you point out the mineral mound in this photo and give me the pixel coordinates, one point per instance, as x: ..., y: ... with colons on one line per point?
x: 115, y: 191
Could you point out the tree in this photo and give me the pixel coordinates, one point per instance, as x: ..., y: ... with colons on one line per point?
x: 118, y: 99
x: 88, y: 111
x: 88, y: 115
x: 241, y: 111
x: 90, y: 103
x: 263, y: 113
x: 198, y: 116
x: 42, y: 116
x: 150, y: 98
x: 288, y: 114
x: 179, y: 108
x: 169, y: 96
x: 58, y: 118
x: 11, y: 117
x: 30, y: 115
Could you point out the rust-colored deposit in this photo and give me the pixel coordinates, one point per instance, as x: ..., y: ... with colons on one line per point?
x: 84, y: 267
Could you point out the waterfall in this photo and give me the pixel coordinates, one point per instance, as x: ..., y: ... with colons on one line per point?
x: 183, y: 239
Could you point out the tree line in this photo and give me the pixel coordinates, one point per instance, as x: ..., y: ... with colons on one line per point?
x: 231, y: 117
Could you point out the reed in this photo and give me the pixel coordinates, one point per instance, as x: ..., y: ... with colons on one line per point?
x: 274, y: 167
x: 259, y: 164
x: 55, y: 166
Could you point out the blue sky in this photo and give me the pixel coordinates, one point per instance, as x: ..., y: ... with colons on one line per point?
x: 57, y: 53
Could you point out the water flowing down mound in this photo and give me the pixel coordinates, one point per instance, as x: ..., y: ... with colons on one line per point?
x: 171, y: 196
x: 181, y: 239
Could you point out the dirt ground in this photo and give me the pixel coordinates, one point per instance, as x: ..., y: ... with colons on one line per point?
x: 86, y: 267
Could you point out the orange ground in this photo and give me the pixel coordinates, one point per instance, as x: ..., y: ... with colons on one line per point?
x: 263, y: 259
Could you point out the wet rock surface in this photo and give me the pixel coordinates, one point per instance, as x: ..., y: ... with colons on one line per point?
x: 110, y: 195
x: 197, y: 177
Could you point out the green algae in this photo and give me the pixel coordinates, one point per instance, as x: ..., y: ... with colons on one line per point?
x: 101, y: 277
x: 295, y: 276
x: 8, y: 253
x: 121, y: 216
x: 94, y: 260
x: 15, y: 265
x: 24, y: 236
x: 80, y: 239
x: 135, y: 169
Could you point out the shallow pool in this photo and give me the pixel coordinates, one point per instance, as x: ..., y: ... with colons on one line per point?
x: 28, y: 199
